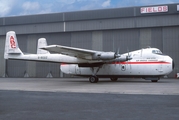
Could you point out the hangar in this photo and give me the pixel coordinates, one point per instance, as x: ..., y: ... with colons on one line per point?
x: 104, y: 29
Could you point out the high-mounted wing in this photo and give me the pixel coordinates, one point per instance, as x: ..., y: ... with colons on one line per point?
x: 71, y: 51
x: 86, y: 54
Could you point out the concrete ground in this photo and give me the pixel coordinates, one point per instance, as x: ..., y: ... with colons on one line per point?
x: 76, y: 98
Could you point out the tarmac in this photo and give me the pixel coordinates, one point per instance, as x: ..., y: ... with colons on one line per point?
x: 77, y: 98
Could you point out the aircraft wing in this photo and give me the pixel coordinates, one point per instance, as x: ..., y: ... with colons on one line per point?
x: 71, y: 51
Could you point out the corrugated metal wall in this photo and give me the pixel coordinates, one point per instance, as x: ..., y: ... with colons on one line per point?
x: 171, y: 45
x: 2, y: 61
x: 123, y: 39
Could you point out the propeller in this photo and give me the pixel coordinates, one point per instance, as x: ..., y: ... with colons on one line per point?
x: 116, y: 55
x: 129, y: 55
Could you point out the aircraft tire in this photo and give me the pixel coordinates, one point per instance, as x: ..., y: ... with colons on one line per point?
x: 113, y: 79
x: 154, y: 80
x: 93, y: 79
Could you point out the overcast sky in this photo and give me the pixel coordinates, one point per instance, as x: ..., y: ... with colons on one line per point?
x: 28, y: 7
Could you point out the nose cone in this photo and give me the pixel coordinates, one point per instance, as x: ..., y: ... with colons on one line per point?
x: 169, y: 68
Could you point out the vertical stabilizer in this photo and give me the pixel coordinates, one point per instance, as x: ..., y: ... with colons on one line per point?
x: 11, y: 45
x: 42, y: 43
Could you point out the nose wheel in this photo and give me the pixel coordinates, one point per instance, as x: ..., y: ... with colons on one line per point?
x: 93, y: 79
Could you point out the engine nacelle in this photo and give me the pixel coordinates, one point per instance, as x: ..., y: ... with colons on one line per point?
x: 104, y: 56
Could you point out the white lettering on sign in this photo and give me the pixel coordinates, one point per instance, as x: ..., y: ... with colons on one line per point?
x: 155, y: 9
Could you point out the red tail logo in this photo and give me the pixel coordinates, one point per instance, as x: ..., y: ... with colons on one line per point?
x: 12, y: 42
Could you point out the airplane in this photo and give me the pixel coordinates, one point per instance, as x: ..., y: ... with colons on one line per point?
x: 147, y: 63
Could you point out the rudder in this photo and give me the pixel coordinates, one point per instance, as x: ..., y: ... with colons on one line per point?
x: 11, y: 45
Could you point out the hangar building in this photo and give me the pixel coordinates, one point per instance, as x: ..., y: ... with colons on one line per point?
x: 104, y: 29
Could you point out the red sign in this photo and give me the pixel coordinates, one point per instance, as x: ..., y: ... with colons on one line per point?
x: 12, y: 42
x: 155, y: 9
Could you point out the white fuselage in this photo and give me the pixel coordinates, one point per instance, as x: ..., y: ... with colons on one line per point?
x: 147, y: 63
x: 144, y: 64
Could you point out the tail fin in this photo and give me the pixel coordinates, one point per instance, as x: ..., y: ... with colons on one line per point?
x: 11, y: 45
x: 41, y: 43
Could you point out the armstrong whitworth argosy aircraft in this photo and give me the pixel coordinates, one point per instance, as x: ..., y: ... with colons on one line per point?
x: 148, y: 63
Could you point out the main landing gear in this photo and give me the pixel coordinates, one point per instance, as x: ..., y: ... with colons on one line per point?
x: 154, y: 80
x: 93, y: 79
x: 113, y: 79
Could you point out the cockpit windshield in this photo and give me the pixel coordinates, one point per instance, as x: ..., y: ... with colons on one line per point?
x: 156, y: 52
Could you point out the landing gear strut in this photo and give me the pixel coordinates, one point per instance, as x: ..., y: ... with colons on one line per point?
x: 93, y: 79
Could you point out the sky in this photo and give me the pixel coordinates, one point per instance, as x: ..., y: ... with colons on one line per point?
x: 30, y: 7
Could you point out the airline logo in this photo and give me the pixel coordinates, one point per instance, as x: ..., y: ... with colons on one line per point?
x: 12, y: 42
x: 155, y: 9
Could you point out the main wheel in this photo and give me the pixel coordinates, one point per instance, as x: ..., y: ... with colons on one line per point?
x: 113, y: 79
x: 93, y: 79
x: 154, y: 80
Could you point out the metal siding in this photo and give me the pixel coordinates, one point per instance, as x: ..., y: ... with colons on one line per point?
x: 16, y: 68
x: 97, y: 40
x: 170, y: 46
x: 35, y: 28
x: 122, y: 39
x: 100, y: 24
x: 126, y: 40
x: 108, y: 40
x: 154, y: 21
x: 105, y: 24
x: 145, y: 37
x: 81, y: 40
x: 60, y: 39
x: 43, y: 68
x: 55, y: 69
x: 3, y: 30
x: 157, y: 41
x: 31, y: 48
x: 43, y: 18
x: 99, y: 14
x: 2, y: 61
x: 1, y: 21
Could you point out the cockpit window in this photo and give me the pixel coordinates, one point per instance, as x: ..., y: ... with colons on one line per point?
x: 156, y: 52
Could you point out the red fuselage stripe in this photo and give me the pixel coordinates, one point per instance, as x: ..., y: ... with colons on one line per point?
x: 141, y: 63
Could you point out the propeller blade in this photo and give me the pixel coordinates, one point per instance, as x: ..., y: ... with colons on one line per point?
x: 129, y: 55
x: 116, y: 55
